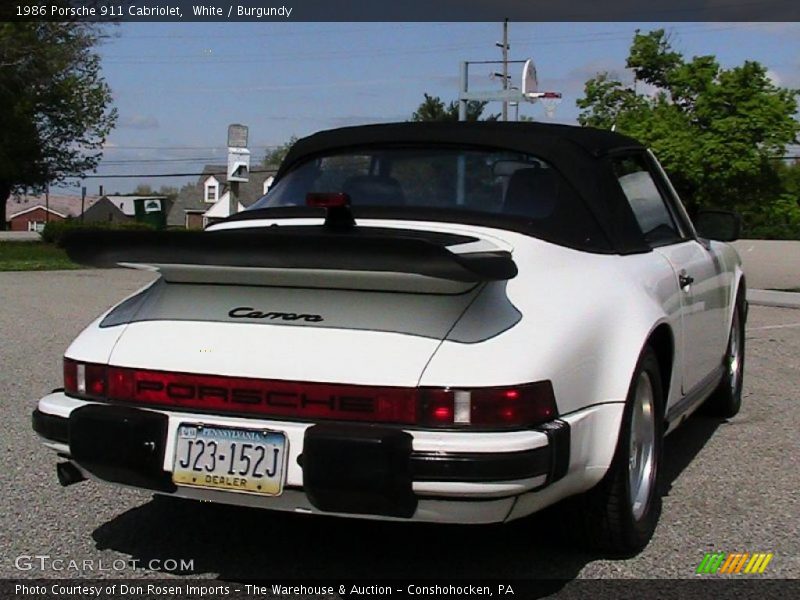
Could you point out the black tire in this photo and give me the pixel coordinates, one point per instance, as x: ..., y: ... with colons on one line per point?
x: 612, y: 520
x: 726, y: 400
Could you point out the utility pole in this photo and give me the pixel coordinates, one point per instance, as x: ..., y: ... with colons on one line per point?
x: 233, y: 207
x: 83, y: 202
x: 505, y: 49
x: 238, y: 163
x: 462, y: 103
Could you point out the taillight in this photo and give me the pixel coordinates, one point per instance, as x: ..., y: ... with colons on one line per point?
x: 501, y: 407
x: 70, y: 376
x: 518, y: 406
x: 86, y: 380
x: 327, y: 199
x: 263, y: 396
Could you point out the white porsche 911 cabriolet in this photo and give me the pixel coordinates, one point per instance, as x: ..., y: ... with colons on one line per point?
x: 449, y: 322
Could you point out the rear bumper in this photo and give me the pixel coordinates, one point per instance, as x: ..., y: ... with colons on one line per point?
x: 347, y: 469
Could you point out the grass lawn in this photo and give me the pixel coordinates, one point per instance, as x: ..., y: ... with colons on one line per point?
x: 33, y: 256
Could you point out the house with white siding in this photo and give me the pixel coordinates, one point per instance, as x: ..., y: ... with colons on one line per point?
x: 209, y: 199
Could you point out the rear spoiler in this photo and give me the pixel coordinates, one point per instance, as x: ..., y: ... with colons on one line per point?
x: 262, y: 254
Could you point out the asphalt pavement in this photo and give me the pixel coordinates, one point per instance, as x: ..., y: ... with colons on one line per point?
x: 730, y: 485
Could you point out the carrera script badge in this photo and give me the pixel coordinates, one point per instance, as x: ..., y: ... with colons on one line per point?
x: 247, y: 312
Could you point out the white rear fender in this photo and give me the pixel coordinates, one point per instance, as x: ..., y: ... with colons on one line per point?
x: 732, y: 270
x: 583, y: 327
x: 95, y: 343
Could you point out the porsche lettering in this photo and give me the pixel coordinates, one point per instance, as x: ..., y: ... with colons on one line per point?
x: 275, y: 399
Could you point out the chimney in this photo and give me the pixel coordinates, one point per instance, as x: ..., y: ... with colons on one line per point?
x: 101, y: 190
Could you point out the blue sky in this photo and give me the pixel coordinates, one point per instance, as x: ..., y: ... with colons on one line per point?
x: 178, y: 85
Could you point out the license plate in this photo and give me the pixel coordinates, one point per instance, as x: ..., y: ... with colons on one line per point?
x: 238, y: 460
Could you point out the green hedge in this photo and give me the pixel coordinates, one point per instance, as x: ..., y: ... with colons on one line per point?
x: 770, y: 231
x: 54, y: 230
x: 777, y: 220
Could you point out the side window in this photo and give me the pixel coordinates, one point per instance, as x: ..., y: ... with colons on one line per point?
x: 652, y: 214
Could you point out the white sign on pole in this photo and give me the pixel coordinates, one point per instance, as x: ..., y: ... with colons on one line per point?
x: 238, y: 164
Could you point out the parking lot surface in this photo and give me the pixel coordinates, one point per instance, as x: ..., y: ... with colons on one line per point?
x: 730, y: 485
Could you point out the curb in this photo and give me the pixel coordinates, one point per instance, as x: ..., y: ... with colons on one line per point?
x: 773, y: 298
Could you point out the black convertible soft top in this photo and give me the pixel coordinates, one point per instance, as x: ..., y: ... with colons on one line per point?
x: 555, y: 143
x: 579, y: 153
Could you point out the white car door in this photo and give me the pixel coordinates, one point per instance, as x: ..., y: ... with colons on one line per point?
x: 698, y: 275
x: 703, y: 301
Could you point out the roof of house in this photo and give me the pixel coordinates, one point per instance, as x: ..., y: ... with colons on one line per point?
x: 126, y: 203
x: 191, y: 198
x: 221, y: 209
x: 32, y: 208
x: 69, y: 206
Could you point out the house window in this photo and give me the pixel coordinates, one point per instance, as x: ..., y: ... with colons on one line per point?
x: 211, y: 193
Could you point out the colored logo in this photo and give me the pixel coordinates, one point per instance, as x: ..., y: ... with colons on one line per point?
x: 719, y: 563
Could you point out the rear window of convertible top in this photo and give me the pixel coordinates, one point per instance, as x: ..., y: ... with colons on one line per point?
x: 522, y: 187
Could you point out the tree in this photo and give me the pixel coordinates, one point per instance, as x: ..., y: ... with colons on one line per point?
x: 55, y: 116
x: 434, y: 109
x: 717, y: 131
x: 168, y: 190
x: 143, y: 190
x: 274, y: 157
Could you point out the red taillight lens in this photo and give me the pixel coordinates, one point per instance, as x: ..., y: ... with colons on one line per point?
x: 518, y: 406
x: 70, y: 376
x: 438, y: 408
x: 121, y: 383
x: 327, y: 200
x: 86, y: 380
x: 263, y: 396
x: 480, y: 408
x: 95, y: 380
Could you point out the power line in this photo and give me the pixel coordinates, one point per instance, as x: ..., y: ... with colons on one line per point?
x: 198, y: 174
x: 157, y: 160
x: 617, y: 35
x: 271, y: 34
x: 217, y: 147
x: 595, y: 36
x: 143, y: 175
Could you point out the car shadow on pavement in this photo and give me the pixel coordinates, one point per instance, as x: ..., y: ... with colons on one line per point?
x: 237, y: 543
x: 242, y: 543
x: 684, y: 444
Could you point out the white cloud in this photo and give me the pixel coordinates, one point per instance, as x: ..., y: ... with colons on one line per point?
x: 774, y: 77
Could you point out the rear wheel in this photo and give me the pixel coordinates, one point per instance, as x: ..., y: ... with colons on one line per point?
x: 619, y: 515
x: 727, y: 398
